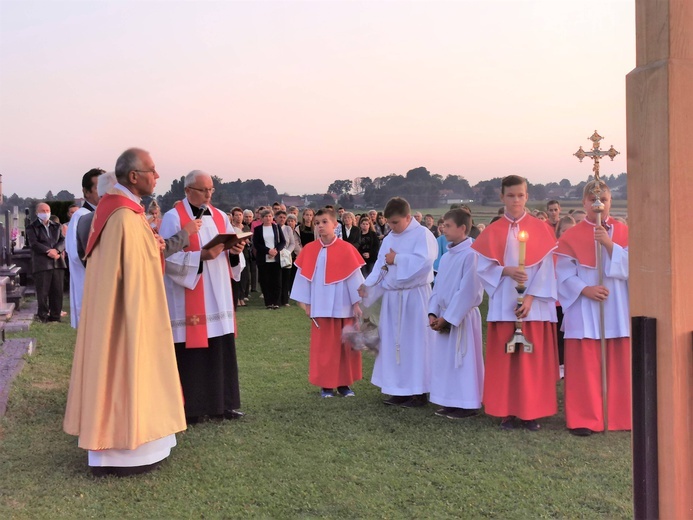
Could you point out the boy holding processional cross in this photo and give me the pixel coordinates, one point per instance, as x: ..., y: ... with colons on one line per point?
x: 402, y: 275
x: 580, y: 294
x: 520, y: 384
x: 457, y: 363
x: 327, y: 282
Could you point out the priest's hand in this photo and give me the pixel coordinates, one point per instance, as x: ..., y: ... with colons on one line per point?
x: 193, y: 226
x: 598, y: 293
x: 306, y: 308
x: 212, y: 253
x: 515, y: 273
x: 390, y: 257
x: 523, y: 310
x: 161, y: 241
x: 363, y: 293
x: 238, y: 248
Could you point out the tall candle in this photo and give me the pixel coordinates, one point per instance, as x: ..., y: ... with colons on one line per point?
x: 522, y: 237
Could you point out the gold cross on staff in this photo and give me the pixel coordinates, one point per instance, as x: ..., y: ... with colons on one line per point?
x: 596, y: 153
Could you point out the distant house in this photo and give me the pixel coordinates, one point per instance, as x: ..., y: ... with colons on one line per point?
x: 447, y: 197
x: 294, y: 200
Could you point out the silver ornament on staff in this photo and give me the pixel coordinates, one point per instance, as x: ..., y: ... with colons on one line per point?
x: 518, y: 341
x: 598, y: 207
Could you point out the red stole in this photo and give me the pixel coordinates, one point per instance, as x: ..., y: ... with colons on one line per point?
x: 108, y: 205
x: 492, y: 242
x: 195, y: 312
x: 342, y: 260
x: 576, y: 241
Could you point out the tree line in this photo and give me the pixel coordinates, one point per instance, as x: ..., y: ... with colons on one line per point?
x: 421, y: 188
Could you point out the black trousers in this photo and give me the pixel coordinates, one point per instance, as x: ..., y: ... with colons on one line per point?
x: 209, y: 377
x: 286, y: 285
x: 49, y: 293
x: 270, y: 277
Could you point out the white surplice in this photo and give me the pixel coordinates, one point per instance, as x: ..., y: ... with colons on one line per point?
x: 581, y: 314
x: 335, y: 300
x: 402, y: 366
x: 182, y: 273
x: 541, y: 284
x: 457, y: 364
x: 77, y: 269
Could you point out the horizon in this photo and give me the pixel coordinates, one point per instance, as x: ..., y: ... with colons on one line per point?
x: 299, y: 94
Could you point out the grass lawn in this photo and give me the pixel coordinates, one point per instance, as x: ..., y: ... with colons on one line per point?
x: 297, y: 456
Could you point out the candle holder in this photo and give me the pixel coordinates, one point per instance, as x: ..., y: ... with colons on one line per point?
x: 518, y: 340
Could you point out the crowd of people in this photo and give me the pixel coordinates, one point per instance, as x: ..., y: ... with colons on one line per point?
x: 144, y: 370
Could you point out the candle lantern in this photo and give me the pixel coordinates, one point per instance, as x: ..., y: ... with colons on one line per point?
x: 518, y: 340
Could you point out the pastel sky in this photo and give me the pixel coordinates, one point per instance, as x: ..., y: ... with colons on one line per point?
x: 300, y: 93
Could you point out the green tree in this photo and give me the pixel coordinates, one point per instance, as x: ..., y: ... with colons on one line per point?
x: 340, y: 187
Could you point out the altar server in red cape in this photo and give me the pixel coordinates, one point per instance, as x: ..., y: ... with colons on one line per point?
x: 580, y: 293
x: 327, y: 280
x: 519, y: 385
x: 200, y: 304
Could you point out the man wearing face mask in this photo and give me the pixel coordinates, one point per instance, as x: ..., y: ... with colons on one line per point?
x: 47, y: 246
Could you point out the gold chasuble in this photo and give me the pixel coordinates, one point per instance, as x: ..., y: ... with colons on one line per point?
x: 124, y: 389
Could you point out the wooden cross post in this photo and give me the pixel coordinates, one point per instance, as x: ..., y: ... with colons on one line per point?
x: 596, y: 154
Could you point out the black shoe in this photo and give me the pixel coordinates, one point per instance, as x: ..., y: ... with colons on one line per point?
x: 508, y: 423
x: 531, y: 425
x: 397, y: 400
x: 122, y: 471
x: 42, y: 319
x: 581, y: 432
x: 444, y: 411
x: 416, y: 401
x: 192, y: 420
x: 461, y: 413
x: 234, y: 414
x: 54, y: 320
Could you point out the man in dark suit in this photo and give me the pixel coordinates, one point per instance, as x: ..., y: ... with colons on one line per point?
x: 47, y: 246
x: 89, y: 183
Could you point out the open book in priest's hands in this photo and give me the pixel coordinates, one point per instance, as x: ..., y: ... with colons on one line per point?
x: 228, y: 239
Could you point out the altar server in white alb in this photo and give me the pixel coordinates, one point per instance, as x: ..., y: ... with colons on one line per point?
x: 200, y: 304
x: 408, y: 252
x: 457, y: 364
x: 580, y: 294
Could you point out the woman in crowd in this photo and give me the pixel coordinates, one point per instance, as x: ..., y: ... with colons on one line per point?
x: 369, y: 244
x: 154, y: 215
x: 292, y: 222
x: 306, y: 230
x: 280, y: 217
x: 381, y: 227
x: 350, y: 232
x: 268, y: 240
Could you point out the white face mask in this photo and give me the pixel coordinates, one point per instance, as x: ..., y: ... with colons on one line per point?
x: 43, y: 216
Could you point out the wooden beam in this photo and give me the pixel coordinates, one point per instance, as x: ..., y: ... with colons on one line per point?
x: 660, y: 214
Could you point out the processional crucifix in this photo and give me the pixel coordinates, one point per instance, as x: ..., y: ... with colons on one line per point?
x: 598, y: 207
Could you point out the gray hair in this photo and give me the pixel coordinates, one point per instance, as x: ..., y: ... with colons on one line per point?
x: 193, y: 175
x: 265, y: 212
x: 105, y: 182
x: 128, y: 161
x: 291, y: 216
x: 247, y: 212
